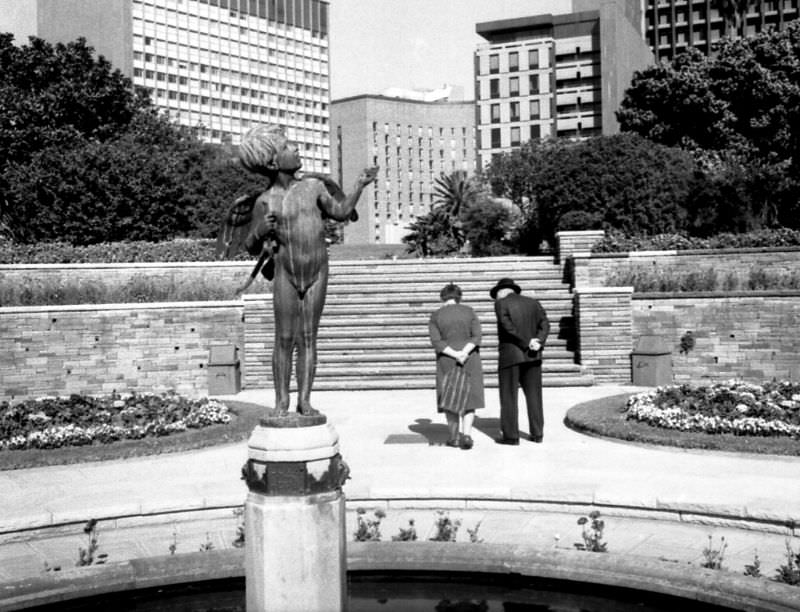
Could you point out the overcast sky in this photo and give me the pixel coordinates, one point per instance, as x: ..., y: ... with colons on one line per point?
x: 413, y: 44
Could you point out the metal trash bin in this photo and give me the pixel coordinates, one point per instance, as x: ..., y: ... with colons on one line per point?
x: 651, y: 362
x: 224, y: 373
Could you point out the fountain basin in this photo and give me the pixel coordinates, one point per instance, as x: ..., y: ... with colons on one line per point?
x: 477, y: 563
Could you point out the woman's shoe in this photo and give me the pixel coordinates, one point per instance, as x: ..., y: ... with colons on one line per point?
x: 466, y: 442
x: 453, y: 443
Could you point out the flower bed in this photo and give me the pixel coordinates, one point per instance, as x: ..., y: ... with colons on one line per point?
x: 77, y: 420
x: 739, y: 408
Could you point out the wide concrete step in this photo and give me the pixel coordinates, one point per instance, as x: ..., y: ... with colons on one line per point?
x: 422, y: 285
x: 497, y: 266
x: 366, y: 335
x: 385, y: 340
x: 385, y: 352
x: 393, y: 383
x: 422, y: 368
x: 544, y: 277
x: 398, y: 320
x: 426, y: 301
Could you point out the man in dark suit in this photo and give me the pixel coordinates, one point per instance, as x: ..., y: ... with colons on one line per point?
x: 522, y: 329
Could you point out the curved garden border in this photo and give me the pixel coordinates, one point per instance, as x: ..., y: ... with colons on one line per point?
x: 624, y: 571
x: 601, y: 417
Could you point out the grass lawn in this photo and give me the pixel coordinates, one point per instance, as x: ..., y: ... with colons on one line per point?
x: 604, y: 418
x: 245, y: 417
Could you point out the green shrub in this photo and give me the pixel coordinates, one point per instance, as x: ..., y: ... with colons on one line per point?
x: 182, y: 250
x: 654, y: 279
x: 615, y: 242
x: 44, y: 291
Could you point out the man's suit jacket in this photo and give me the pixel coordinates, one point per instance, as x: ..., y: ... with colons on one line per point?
x: 519, y: 320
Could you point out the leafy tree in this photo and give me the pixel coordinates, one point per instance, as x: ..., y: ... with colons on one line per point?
x: 126, y: 188
x: 673, y: 104
x: 740, y: 108
x: 622, y: 182
x: 487, y: 224
x: 84, y: 158
x: 432, y: 235
x: 51, y: 93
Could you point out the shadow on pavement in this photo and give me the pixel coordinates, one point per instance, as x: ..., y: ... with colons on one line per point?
x: 435, y: 433
x: 488, y: 427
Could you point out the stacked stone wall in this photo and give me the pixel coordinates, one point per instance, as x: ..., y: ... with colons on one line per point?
x: 98, y: 349
x: 603, y: 317
x: 750, y: 336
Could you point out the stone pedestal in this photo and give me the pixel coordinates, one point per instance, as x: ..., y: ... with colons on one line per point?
x: 295, y: 517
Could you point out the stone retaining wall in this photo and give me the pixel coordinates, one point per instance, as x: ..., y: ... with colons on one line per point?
x: 752, y: 336
x: 603, y: 318
x: 97, y: 349
x: 59, y: 350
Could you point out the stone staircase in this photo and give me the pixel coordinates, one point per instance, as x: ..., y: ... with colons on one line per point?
x: 374, y: 331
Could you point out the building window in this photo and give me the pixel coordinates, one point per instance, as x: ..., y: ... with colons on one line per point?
x: 494, y: 88
x: 513, y: 86
x: 534, y: 109
x: 533, y: 59
x: 495, y: 138
x: 536, y: 132
x: 514, y: 111
x: 494, y: 111
x: 515, y: 136
x: 494, y: 64
x: 513, y: 61
x: 533, y: 83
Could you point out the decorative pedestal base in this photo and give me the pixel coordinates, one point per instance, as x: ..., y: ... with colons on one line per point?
x: 295, y: 519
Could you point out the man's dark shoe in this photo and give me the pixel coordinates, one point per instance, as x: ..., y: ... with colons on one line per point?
x: 537, y: 439
x: 508, y: 441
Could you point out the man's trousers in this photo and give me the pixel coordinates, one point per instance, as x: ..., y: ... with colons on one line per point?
x: 510, y: 379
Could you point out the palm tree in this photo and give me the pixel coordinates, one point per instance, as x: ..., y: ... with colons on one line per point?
x: 454, y: 192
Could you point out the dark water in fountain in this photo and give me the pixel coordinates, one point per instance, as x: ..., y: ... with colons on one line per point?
x: 402, y: 592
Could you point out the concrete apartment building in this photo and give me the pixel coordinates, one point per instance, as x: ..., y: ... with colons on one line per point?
x: 413, y: 137
x: 218, y: 65
x: 672, y: 26
x: 555, y: 75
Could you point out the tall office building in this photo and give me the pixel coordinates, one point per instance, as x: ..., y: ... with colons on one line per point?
x: 218, y: 65
x: 413, y: 137
x: 672, y: 26
x: 555, y: 75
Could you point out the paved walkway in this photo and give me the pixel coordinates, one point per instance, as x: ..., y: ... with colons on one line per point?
x: 657, y: 502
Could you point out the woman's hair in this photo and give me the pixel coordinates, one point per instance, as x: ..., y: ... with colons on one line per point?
x: 451, y: 291
x: 259, y: 146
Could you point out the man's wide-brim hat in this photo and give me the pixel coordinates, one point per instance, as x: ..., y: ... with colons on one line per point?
x: 504, y: 283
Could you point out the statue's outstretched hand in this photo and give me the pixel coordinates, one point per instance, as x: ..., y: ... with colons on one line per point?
x: 367, y: 176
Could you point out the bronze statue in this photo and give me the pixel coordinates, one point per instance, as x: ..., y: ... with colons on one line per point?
x: 285, y: 226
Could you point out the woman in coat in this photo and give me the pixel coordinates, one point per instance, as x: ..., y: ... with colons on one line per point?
x: 455, y: 334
